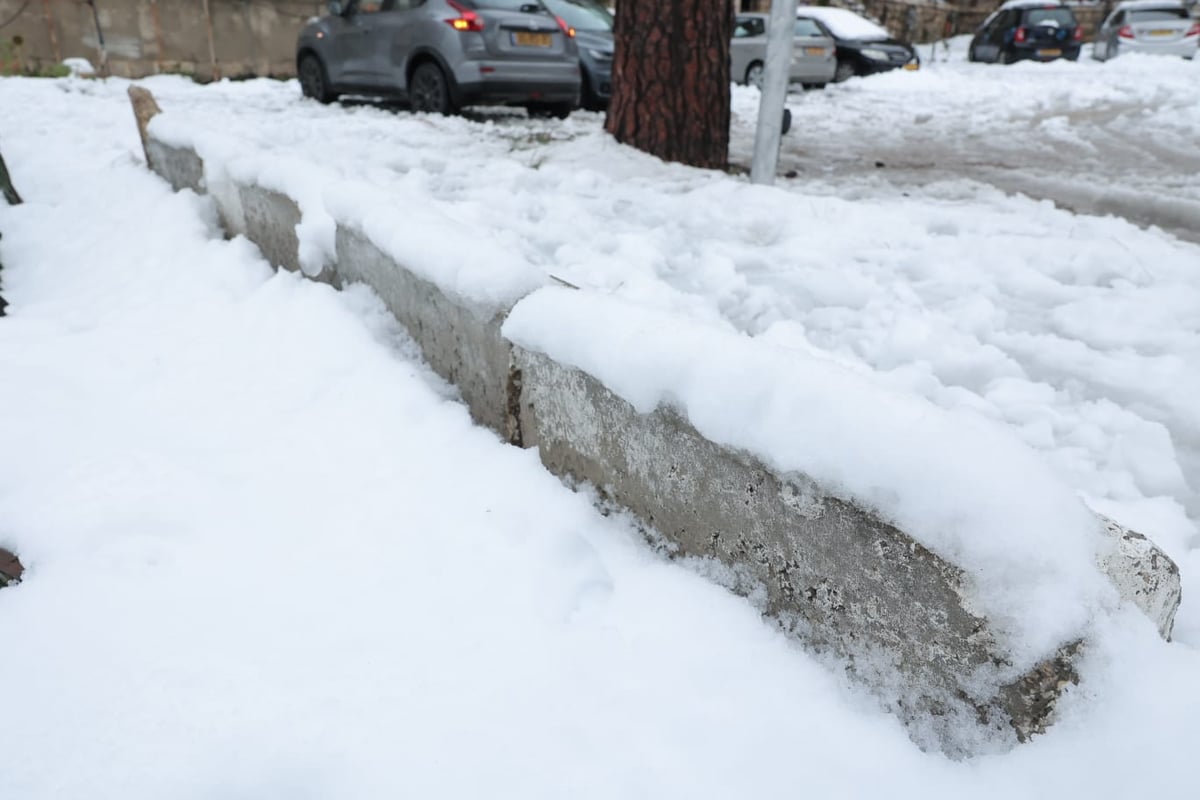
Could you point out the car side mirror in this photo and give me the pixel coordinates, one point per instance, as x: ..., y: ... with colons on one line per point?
x: 336, y: 7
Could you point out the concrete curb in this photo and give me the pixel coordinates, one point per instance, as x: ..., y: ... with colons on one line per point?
x: 835, y: 575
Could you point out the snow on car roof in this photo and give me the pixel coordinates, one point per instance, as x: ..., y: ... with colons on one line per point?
x: 844, y: 24
x: 1128, y: 4
x: 1025, y: 3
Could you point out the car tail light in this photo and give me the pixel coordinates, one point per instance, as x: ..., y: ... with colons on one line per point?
x: 567, y: 29
x: 1194, y: 30
x: 1020, y: 35
x: 1078, y: 35
x: 467, y: 20
x: 1126, y: 32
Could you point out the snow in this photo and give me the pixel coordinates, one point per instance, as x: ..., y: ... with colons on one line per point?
x: 268, y: 555
x: 1022, y: 535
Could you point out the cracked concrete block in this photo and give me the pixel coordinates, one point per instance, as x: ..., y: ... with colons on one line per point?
x: 1144, y: 575
x: 460, y: 342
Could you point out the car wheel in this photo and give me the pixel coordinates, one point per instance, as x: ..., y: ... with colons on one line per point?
x: 429, y: 91
x: 845, y: 71
x: 754, y: 74
x: 971, y: 54
x: 1008, y: 57
x: 313, y: 81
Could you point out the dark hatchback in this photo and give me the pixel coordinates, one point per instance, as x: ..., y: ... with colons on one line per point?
x: 1027, y: 30
x: 593, y: 27
x: 863, y: 47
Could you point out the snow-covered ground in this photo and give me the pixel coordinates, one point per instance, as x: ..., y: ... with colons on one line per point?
x: 269, y: 555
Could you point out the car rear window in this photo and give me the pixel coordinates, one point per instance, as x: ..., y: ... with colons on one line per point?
x: 1157, y: 14
x: 806, y: 27
x: 504, y: 5
x: 583, y: 15
x: 1061, y: 17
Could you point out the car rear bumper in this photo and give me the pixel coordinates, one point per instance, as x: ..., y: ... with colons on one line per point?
x: 1185, y: 48
x: 1048, y: 52
x: 810, y: 72
x: 508, y: 82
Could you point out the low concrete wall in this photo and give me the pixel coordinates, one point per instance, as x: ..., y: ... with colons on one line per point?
x: 461, y: 344
x: 835, y: 575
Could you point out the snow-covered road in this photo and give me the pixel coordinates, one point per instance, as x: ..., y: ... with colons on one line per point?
x: 1120, y: 137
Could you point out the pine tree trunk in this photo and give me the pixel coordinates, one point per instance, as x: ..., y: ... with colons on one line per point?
x: 671, y: 79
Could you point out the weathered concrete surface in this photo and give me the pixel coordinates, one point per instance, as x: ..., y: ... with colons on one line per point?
x: 181, y: 168
x: 11, y: 568
x: 270, y: 220
x: 145, y: 37
x: 835, y: 575
x: 461, y: 344
x: 1144, y: 575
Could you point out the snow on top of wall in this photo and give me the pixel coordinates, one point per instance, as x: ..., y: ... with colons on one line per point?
x: 963, y: 487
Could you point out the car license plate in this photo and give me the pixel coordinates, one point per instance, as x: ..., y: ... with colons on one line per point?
x: 1162, y: 32
x: 912, y: 65
x: 814, y: 51
x: 1051, y: 52
x: 526, y: 39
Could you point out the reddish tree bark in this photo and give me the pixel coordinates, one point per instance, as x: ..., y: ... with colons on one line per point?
x: 671, y: 79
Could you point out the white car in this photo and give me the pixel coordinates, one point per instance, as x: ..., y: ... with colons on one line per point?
x: 1163, y: 27
x: 814, y: 59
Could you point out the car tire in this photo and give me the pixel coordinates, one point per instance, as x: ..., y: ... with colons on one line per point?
x: 314, y: 81
x: 429, y: 90
x: 754, y: 74
x: 1007, y: 57
x: 845, y: 71
x: 971, y: 54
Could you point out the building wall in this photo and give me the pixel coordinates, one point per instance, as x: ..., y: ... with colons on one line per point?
x: 204, y: 38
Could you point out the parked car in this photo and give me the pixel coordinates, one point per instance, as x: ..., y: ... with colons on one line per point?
x: 1037, y: 30
x: 1148, y: 26
x: 593, y: 25
x: 863, y: 48
x: 441, y: 55
x: 814, y: 56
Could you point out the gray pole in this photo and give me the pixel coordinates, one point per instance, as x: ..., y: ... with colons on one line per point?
x: 780, y: 33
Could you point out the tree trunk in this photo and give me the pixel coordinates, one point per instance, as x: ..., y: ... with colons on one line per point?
x: 671, y: 79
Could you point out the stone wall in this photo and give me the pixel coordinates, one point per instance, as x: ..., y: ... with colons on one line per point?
x: 204, y: 38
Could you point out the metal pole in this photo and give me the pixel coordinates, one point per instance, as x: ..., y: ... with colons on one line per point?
x: 212, y: 48
x: 158, y: 37
x: 103, y: 71
x: 781, y: 31
x: 49, y: 15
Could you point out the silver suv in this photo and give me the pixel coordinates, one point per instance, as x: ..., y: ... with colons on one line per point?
x: 441, y: 55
